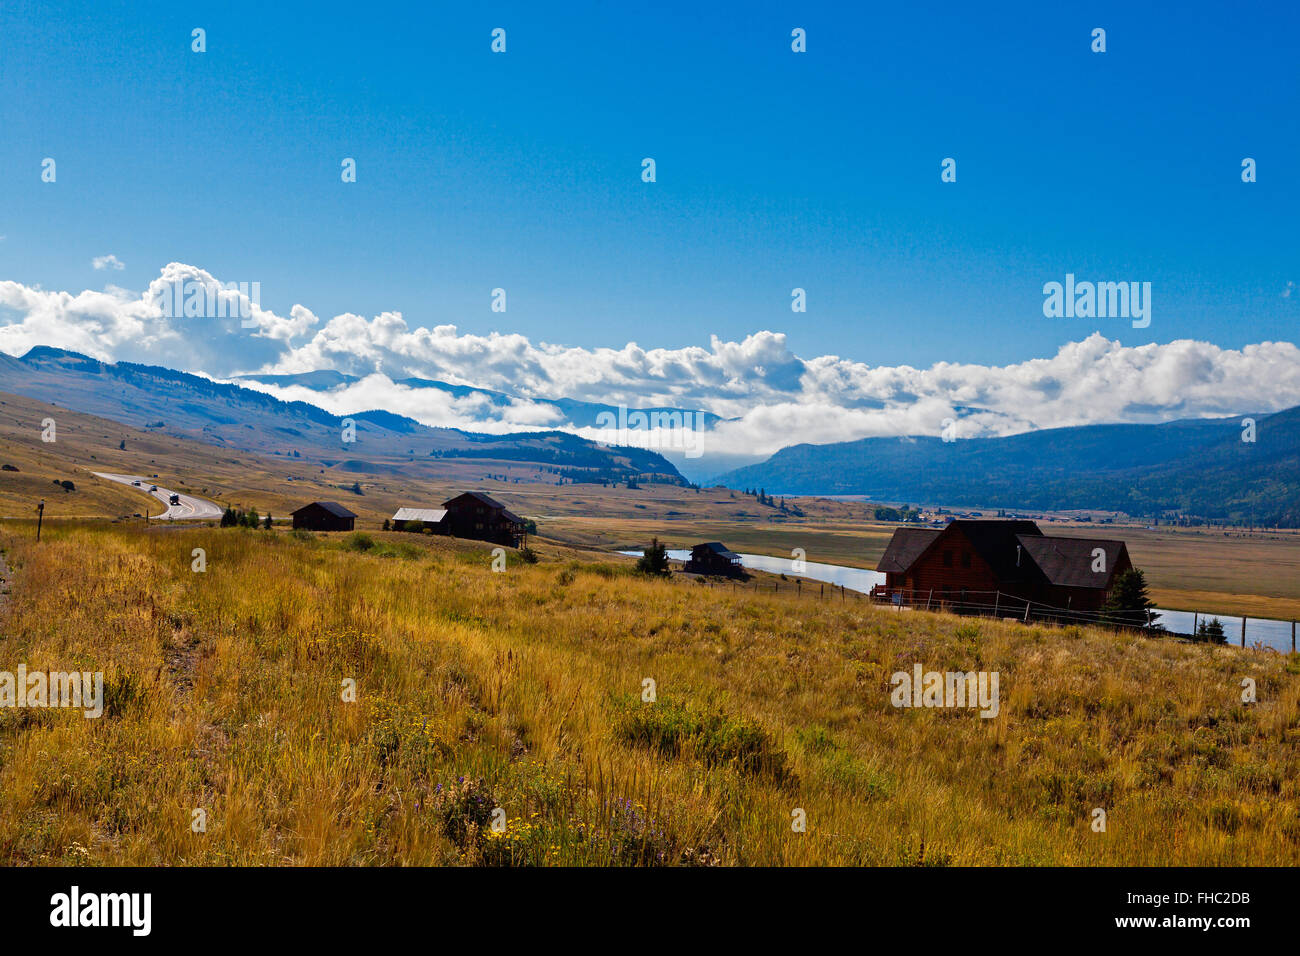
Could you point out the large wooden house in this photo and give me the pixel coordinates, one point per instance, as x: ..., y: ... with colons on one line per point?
x: 712, y: 557
x: 1000, y: 566
x: 476, y: 515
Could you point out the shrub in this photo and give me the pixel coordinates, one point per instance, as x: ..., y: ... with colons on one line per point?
x: 677, y: 729
x: 358, y: 541
x: 528, y: 555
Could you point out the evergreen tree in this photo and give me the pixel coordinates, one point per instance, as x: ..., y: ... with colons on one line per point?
x: 654, y: 560
x: 1129, y: 604
x: 1211, y: 631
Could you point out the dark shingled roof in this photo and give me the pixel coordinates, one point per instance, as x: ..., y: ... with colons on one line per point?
x: 490, y: 502
x: 1067, y: 562
x: 905, y: 547
x: 333, y: 507
x: 480, y: 496
x: 995, y: 541
x: 717, y: 547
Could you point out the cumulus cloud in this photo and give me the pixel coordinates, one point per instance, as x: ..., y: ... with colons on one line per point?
x: 107, y: 262
x: 770, y: 396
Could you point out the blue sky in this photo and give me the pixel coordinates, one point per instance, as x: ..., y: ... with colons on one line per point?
x: 775, y: 169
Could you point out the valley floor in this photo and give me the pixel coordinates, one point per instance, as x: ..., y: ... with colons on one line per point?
x: 523, y: 691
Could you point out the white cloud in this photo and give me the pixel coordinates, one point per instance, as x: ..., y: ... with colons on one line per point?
x: 107, y: 262
x: 775, y: 397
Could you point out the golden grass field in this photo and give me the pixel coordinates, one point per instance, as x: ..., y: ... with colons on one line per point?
x: 224, y: 693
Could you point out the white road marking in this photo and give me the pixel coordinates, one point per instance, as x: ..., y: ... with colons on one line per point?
x: 189, y: 507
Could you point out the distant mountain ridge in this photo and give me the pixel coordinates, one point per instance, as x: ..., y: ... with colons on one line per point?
x: 1198, y: 467
x: 233, y: 416
x: 577, y: 414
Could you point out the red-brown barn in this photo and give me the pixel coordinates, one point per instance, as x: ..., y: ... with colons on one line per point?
x: 983, y: 566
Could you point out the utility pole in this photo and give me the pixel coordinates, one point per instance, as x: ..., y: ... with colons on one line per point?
x: 40, y: 513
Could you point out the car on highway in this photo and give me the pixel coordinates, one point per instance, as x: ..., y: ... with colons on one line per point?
x: 174, y: 499
x: 153, y: 487
x: 136, y: 483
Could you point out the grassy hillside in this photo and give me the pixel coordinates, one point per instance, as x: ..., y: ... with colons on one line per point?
x: 522, y: 690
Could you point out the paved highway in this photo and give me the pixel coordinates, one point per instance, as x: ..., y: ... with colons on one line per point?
x: 189, y: 507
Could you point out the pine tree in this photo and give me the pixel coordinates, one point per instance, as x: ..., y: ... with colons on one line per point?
x: 1129, y: 604
x: 1211, y: 631
x: 654, y: 560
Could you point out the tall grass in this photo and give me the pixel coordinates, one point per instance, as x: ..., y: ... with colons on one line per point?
x: 523, y: 691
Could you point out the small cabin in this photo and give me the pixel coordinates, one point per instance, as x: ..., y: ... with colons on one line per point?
x: 422, y: 519
x: 324, y: 516
x: 476, y: 515
x: 712, y: 557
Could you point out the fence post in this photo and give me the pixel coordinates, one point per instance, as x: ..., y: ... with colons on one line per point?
x: 1196, y: 616
x: 929, y: 598
x: 996, y: 602
x: 842, y: 593
x: 1293, y: 637
x: 1026, y: 611
x: 1243, y: 630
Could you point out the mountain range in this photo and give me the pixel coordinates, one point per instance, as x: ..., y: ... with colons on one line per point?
x: 1219, y: 469
x: 232, y: 416
x: 574, y: 413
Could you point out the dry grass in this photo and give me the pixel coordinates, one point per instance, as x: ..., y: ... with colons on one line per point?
x: 224, y: 694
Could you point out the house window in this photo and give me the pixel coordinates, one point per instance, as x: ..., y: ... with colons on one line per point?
x: 947, y: 559
x: 965, y: 559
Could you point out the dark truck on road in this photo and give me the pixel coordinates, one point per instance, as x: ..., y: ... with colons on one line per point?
x: 174, y: 499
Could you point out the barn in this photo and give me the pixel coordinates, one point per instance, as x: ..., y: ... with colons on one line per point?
x: 426, y: 519
x: 1000, y: 566
x: 712, y: 557
x: 324, y: 516
x: 476, y: 515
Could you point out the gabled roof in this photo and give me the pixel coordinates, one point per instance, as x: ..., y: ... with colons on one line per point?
x: 905, y: 547
x: 480, y: 497
x: 718, y: 548
x: 433, y: 515
x: 997, y: 542
x: 1068, y: 562
x: 333, y: 507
